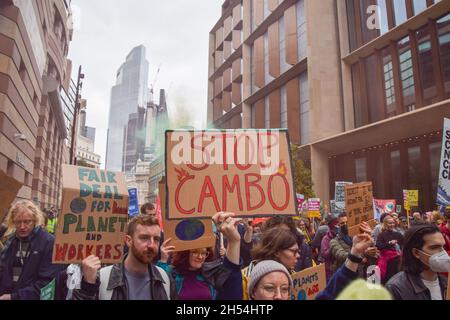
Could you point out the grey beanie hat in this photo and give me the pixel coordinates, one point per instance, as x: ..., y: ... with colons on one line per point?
x: 265, y: 267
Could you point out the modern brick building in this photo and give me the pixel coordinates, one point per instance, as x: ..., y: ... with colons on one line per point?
x: 34, y: 73
x: 362, y: 85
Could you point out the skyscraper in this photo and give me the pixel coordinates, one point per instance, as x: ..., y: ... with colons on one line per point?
x: 129, y: 93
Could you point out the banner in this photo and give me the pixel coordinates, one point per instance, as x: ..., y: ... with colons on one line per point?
x: 384, y: 206
x: 248, y: 172
x: 9, y: 187
x: 94, y: 216
x: 443, y: 196
x: 308, y: 283
x: 359, y: 204
x: 339, y: 195
x: 186, y: 234
x: 410, y: 199
x: 300, y: 201
x: 48, y: 292
x: 314, y: 208
x: 133, y: 207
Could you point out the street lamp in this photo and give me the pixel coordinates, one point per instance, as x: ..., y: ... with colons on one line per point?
x: 75, y: 115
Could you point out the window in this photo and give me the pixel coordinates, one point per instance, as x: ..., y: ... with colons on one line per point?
x: 419, y: 6
x: 267, y: 112
x: 396, y: 174
x: 389, y: 85
x: 284, y: 112
x: 399, y: 11
x: 284, y: 66
x: 361, y: 169
x: 267, y: 77
x: 374, y: 89
x: 426, y: 71
x: 301, y: 30
x: 382, y: 16
x: 414, y: 168
x: 357, y: 99
x: 406, y: 73
x: 304, y: 108
x: 443, y: 27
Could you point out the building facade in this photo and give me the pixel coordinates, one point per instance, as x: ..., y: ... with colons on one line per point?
x: 34, y: 76
x: 362, y: 86
x: 157, y: 171
x: 86, y: 155
x: 129, y: 93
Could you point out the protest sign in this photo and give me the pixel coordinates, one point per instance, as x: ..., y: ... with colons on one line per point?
x: 411, y: 199
x: 300, y: 201
x: 443, y: 196
x: 383, y: 206
x: 248, y: 172
x: 133, y: 207
x: 308, y: 283
x: 339, y: 195
x: 48, y: 292
x: 9, y: 187
x: 158, y: 211
x: 359, y: 203
x: 314, y: 208
x: 186, y: 234
x: 94, y: 215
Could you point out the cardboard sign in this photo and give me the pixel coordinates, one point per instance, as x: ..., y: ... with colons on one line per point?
x: 187, y: 234
x: 353, y: 231
x: 443, y: 196
x: 94, y: 216
x: 448, y: 286
x: 410, y: 198
x: 383, y: 206
x: 158, y: 211
x: 359, y: 203
x: 48, y: 292
x: 314, y: 208
x: 243, y: 171
x: 308, y: 283
x: 133, y: 207
x: 9, y: 187
x: 339, y: 195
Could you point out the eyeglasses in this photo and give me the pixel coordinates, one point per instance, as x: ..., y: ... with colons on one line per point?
x: 25, y: 222
x: 200, y: 254
x: 271, y: 290
x: 294, y: 251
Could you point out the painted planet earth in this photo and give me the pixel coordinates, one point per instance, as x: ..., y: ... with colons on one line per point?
x: 78, y: 205
x: 188, y: 230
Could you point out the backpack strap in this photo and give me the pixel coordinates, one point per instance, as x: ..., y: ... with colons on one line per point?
x: 166, y: 279
x: 104, y: 293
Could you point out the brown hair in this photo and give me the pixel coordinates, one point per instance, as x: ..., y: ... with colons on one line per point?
x: 180, y: 260
x: 273, y: 241
x: 147, y: 206
x: 143, y: 220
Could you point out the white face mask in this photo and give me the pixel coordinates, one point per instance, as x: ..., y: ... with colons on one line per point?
x: 439, y: 262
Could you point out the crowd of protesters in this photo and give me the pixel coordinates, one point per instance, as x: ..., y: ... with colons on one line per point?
x: 252, y: 259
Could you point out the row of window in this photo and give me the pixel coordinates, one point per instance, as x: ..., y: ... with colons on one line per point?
x: 304, y: 109
x: 369, y: 19
x: 282, y: 36
x: 406, y: 75
x: 410, y: 165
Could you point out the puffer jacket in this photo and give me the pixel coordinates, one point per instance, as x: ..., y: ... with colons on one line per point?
x: 339, y: 252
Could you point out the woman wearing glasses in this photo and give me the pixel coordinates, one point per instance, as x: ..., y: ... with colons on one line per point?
x: 198, y: 276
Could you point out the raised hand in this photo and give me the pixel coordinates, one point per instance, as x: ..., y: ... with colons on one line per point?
x: 90, y: 267
x: 166, y: 250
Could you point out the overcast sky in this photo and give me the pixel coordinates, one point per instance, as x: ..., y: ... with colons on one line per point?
x: 176, y: 35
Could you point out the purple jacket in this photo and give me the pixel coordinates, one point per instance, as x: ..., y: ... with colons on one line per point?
x: 325, y: 252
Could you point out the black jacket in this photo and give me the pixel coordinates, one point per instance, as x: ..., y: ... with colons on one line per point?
x: 37, y: 271
x: 407, y: 286
x: 118, y: 283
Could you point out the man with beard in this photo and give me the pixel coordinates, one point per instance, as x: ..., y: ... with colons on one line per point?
x: 137, y: 277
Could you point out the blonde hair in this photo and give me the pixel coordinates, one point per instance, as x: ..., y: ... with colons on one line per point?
x: 20, y: 206
x: 385, y: 220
